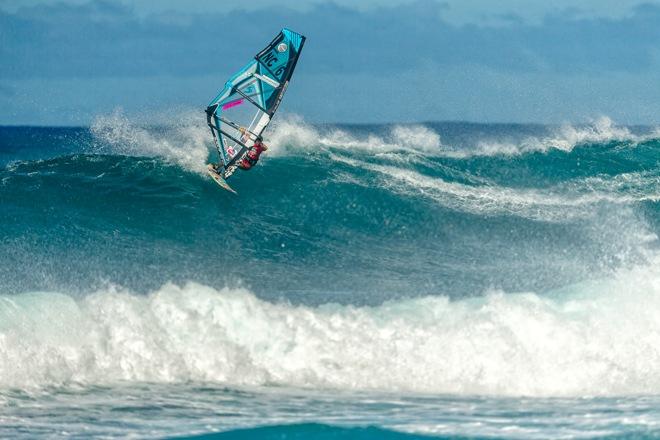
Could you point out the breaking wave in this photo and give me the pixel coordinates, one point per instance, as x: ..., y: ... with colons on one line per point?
x: 293, y: 134
x: 593, y: 338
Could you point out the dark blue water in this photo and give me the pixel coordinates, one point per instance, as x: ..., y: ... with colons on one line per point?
x: 382, y: 281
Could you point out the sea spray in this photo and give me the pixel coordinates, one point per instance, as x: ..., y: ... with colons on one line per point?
x: 183, y: 142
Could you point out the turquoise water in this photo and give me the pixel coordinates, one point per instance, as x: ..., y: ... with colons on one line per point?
x: 369, y: 281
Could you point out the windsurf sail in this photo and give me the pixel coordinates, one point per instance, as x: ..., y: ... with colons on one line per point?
x: 244, y: 108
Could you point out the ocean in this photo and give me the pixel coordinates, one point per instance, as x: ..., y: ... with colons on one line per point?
x: 392, y: 281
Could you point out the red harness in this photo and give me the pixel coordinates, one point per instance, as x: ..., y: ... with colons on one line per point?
x: 252, y: 157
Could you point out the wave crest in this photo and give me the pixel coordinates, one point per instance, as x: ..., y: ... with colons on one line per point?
x: 183, y: 143
x: 292, y: 134
x: 565, y: 138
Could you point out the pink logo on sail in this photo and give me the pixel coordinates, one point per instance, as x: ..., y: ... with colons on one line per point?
x: 231, y: 104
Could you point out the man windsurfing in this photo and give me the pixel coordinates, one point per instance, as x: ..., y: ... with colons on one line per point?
x: 242, y: 110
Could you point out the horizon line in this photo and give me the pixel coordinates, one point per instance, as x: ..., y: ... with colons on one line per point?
x: 446, y: 121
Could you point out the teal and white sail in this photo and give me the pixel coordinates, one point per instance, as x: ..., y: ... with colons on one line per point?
x: 244, y: 108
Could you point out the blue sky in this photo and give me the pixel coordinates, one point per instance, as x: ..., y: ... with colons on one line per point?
x: 65, y: 62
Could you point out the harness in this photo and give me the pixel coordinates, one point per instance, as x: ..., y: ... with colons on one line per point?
x: 253, y: 160
x: 250, y: 160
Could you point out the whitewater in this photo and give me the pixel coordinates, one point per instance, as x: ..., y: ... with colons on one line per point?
x: 369, y: 281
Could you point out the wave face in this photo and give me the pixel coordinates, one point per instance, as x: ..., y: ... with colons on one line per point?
x: 447, y: 259
x: 357, y: 215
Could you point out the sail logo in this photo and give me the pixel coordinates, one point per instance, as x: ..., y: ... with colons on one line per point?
x: 271, y: 59
x: 273, y: 62
x: 282, y: 47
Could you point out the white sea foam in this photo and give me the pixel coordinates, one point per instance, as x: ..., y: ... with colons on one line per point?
x: 568, y: 201
x: 629, y: 187
x: 184, y: 141
x: 292, y: 134
x: 597, y: 338
x: 416, y: 137
x: 564, y: 138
